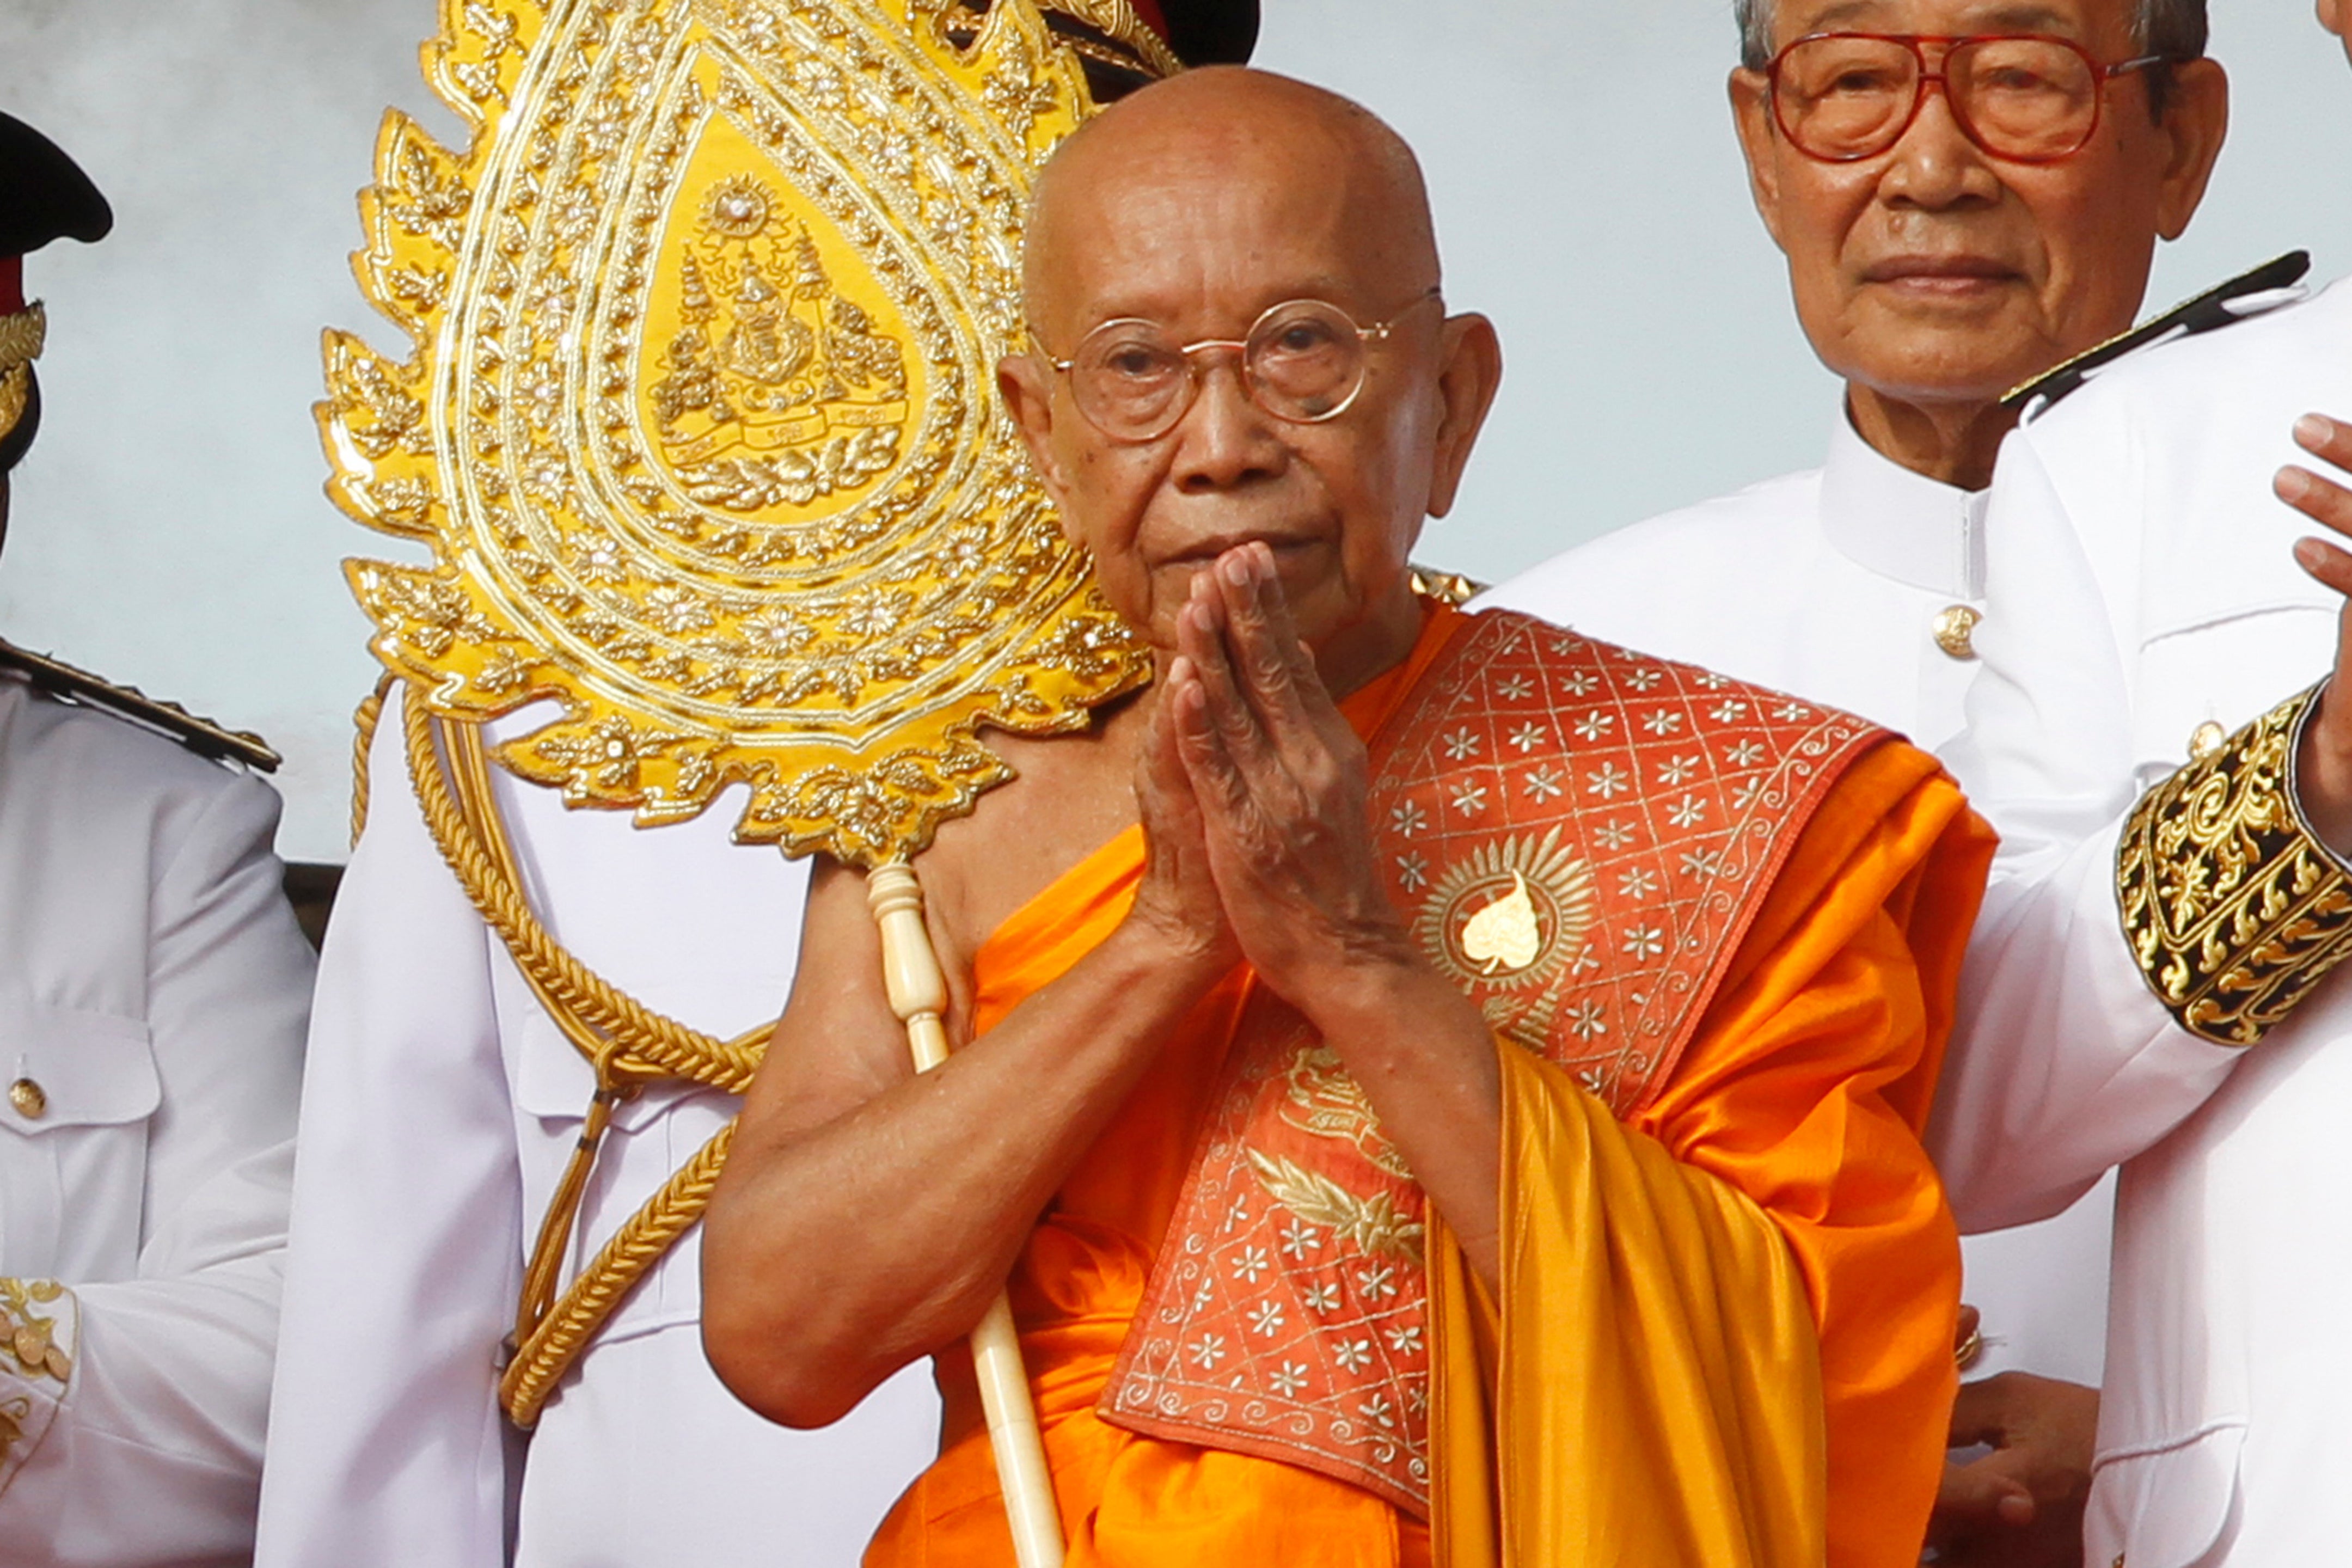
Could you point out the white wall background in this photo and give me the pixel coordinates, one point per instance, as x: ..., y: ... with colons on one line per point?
x: 169, y: 529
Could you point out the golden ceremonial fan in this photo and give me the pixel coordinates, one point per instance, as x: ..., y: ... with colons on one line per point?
x: 700, y: 428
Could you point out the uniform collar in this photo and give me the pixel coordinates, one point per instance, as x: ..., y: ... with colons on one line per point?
x: 1884, y: 518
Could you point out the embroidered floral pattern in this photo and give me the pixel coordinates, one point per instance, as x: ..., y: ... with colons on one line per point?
x: 1287, y: 1314
x: 33, y: 1315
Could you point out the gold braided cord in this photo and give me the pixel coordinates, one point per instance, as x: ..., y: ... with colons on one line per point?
x: 658, y: 1043
x: 542, y: 1359
x: 542, y: 1277
x: 630, y: 1045
x: 619, y: 1072
x: 363, y: 724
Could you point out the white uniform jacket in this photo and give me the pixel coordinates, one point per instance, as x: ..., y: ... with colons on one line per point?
x: 2141, y: 589
x: 441, y: 1107
x: 153, y: 991
x: 1828, y: 583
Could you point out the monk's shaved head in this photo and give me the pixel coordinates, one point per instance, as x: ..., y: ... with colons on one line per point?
x: 1197, y: 207
x: 1194, y: 147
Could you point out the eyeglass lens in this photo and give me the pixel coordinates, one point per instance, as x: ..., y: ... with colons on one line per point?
x: 1303, y: 361
x: 1842, y: 98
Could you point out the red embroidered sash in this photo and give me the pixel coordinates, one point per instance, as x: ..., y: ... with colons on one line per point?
x: 1583, y: 835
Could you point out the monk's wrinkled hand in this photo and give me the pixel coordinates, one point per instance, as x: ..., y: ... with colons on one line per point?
x: 1176, y: 904
x: 1281, y: 781
x: 2324, y: 767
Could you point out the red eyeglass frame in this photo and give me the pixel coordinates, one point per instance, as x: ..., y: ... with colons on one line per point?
x: 2101, y: 75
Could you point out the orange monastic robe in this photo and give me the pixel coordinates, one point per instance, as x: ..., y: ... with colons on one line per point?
x: 1721, y: 1323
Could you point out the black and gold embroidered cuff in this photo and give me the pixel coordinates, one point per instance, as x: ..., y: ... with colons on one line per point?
x: 2233, y: 907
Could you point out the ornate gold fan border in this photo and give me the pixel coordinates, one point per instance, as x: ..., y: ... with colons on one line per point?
x: 875, y: 801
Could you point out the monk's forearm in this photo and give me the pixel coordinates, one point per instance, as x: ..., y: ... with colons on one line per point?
x: 838, y: 1255
x: 1425, y: 1057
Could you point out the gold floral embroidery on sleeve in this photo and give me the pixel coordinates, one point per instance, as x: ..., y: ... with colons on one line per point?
x: 30, y: 1333
x: 2234, y: 908
x: 29, y: 1326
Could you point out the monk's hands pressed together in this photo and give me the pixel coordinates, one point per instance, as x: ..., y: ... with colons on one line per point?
x: 1178, y: 902
x: 2324, y: 767
x: 1279, y: 779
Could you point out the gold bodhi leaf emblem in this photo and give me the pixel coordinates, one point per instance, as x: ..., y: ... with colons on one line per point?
x: 1506, y: 936
x: 1507, y: 919
x: 701, y: 428
x: 1511, y: 913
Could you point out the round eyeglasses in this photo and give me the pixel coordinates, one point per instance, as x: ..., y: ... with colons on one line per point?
x: 1303, y: 361
x: 1844, y: 97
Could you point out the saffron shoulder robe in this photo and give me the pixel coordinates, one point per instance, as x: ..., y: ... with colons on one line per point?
x: 1717, y: 933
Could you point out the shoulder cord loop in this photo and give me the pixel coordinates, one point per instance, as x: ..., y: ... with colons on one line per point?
x: 630, y: 1045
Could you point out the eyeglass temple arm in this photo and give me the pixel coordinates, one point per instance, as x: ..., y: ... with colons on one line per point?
x: 1381, y: 329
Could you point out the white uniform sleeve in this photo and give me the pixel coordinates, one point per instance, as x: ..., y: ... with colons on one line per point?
x: 168, y: 1389
x: 387, y: 1446
x: 2063, y: 1063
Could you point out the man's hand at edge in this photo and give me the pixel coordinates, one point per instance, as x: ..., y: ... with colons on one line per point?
x: 2324, y: 767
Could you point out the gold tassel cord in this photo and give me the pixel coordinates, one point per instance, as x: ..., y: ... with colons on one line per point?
x: 618, y: 1076
x: 629, y: 1046
x: 656, y: 1046
x: 542, y: 1359
x: 620, y: 1072
x: 543, y: 1275
x: 364, y: 723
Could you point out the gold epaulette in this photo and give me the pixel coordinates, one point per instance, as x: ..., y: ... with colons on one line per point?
x: 2232, y: 906
x: 175, y: 722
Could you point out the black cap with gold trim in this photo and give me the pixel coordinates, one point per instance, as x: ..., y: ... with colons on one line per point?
x: 44, y: 196
x: 1128, y: 44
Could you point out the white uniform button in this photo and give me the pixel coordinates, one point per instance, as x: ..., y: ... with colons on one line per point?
x: 1956, y: 631
x: 31, y: 1100
x: 2207, y: 742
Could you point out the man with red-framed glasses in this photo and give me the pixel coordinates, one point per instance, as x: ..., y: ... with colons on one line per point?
x: 2161, y: 731
x: 1967, y: 194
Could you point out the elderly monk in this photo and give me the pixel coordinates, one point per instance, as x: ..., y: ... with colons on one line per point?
x: 1438, y: 1088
